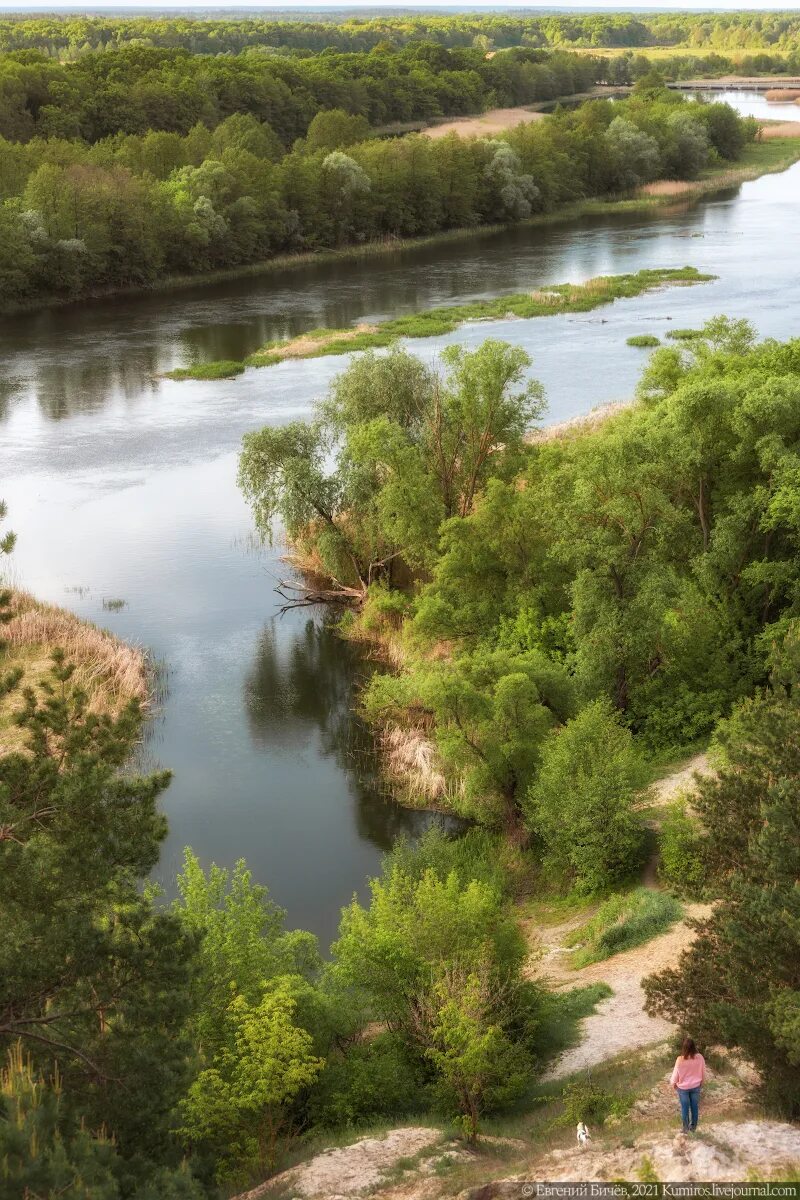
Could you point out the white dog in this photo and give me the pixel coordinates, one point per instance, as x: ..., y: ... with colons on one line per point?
x: 584, y: 1137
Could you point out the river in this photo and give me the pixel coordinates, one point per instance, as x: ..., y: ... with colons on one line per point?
x: 122, y: 485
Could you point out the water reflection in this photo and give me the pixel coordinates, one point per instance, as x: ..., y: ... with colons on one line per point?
x: 310, y: 685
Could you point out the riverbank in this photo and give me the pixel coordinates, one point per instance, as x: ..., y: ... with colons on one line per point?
x: 548, y: 302
x: 111, y: 672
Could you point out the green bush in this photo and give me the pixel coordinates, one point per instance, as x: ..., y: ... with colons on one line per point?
x: 584, y: 1101
x: 684, y: 335
x: 383, y: 607
x: 643, y: 339
x: 622, y: 922
x: 475, y: 854
x: 374, y: 1079
x: 581, y: 806
x: 680, y: 843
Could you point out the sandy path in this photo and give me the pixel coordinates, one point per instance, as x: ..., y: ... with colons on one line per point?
x: 619, y: 1022
x: 496, y: 120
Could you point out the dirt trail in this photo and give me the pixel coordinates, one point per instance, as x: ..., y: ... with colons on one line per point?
x: 619, y: 1022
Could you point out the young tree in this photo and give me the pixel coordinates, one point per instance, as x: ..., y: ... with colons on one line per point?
x: 581, y: 805
x: 478, y: 1065
x: 242, y: 1107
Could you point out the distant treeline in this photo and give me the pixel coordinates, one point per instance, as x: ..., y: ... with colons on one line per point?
x: 124, y: 212
x: 72, y: 36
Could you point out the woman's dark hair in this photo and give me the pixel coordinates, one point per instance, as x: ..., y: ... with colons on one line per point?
x: 688, y: 1049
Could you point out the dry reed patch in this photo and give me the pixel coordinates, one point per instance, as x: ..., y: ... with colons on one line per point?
x: 666, y: 187
x: 410, y: 756
x: 782, y: 95
x: 111, y: 672
x: 782, y: 129
x: 576, y: 426
x: 496, y: 120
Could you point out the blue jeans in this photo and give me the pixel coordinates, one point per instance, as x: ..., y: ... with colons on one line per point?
x: 689, y: 1098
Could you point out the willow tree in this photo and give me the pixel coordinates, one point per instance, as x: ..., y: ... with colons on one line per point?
x: 396, y: 449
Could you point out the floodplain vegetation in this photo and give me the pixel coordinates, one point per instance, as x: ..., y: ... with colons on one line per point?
x: 94, y: 199
x: 559, y: 614
x: 564, y: 613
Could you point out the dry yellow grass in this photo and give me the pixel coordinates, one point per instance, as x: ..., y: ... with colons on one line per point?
x: 782, y: 129
x: 111, y: 672
x: 410, y: 757
x: 305, y: 345
x: 782, y: 95
x: 666, y: 187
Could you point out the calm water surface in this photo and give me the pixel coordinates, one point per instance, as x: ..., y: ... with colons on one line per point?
x: 122, y: 486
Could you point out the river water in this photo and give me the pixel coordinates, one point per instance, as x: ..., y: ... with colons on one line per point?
x: 122, y: 485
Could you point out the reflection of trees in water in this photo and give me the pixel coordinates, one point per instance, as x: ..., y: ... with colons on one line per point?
x: 304, y: 679
x: 64, y: 389
x: 9, y: 387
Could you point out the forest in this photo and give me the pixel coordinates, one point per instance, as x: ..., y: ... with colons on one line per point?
x: 72, y: 36
x: 126, y: 168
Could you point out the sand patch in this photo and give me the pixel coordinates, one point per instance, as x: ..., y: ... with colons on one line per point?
x: 496, y: 120
x: 348, y: 1170
x: 726, y: 1151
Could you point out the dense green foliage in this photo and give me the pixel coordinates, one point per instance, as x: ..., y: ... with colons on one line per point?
x: 623, y: 921
x: 627, y: 584
x: 581, y: 804
x: 680, y: 862
x: 739, y: 982
x: 93, y: 977
x: 123, y: 168
x: 73, y: 36
x: 438, y: 433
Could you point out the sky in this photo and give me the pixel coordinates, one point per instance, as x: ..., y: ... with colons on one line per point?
x: 581, y: 5
x: 578, y: 5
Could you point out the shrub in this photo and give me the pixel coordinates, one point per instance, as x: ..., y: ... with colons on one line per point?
x: 622, y: 922
x: 680, y: 866
x: 684, y: 335
x: 581, y: 805
x: 584, y: 1101
x: 374, y: 1079
x: 643, y: 339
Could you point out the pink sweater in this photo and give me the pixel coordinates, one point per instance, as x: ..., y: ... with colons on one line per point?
x: 688, y: 1072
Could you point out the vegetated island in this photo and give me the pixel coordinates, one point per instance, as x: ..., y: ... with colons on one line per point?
x: 436, y: 322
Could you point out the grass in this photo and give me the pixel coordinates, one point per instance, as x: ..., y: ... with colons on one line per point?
x: 225, y: 368
x: 436, y: 322
x: 643, y: 339
x: 110, y: 671
x: 623, y: 922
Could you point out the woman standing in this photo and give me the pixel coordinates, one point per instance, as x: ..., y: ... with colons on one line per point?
x: 688, y: 1075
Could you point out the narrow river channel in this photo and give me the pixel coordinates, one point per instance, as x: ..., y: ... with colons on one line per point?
x: 121, y: 485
